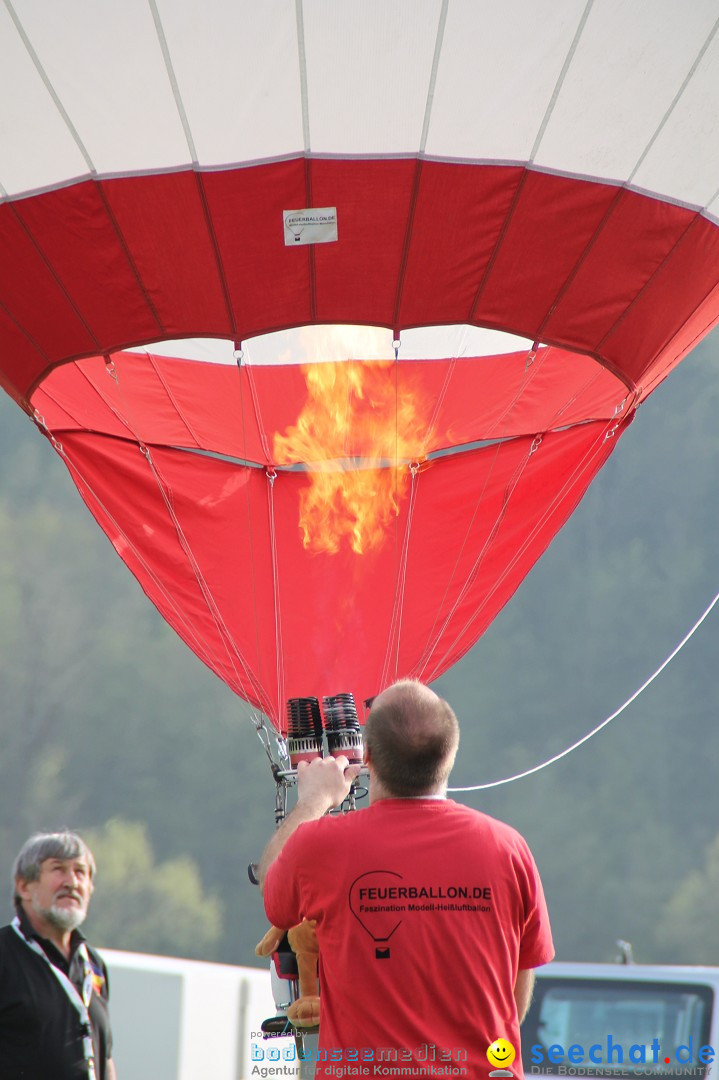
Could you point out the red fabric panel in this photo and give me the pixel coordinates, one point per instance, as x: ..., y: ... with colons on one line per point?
x: 459, y: 216
x: 671, y: 297
x: 268, y: 283
x: 35, y: 299
x: 525, y: 499
x: 704, y: 319
x: 357, y: 278
x: 159, y: 400
x: 460, y: 212
x: 633, y: 243
x: 211, y: 501
x: 22, y: 358
x: 87, y: 256
x: 165, y: 228
x: 184, y: 403
x: 549, y: 228
x: 211, y: 571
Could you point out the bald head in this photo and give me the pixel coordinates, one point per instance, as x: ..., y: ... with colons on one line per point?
x: 411, y: 737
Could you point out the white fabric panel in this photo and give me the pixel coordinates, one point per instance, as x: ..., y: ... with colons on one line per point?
x: 685, y: 157
x: 628, y: 66
x: 331, y: 343
x: 440, y: 342
x: 209, y: 350
x: 34, y: 138
x: 321, y: 344
x: 497, y: 72
x: 369, y: 67
x: 368, y: 76
x: 105, y: 63
x: 238, y: 72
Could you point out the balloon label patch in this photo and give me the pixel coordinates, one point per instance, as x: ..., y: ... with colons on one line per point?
x: 317, y: 225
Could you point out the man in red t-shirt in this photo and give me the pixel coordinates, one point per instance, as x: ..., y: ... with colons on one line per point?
x: 430, y: 916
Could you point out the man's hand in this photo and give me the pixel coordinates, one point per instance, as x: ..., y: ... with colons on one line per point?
x: 324, y: 782
x: 321, y: 784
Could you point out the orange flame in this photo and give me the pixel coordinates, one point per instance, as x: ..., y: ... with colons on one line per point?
x: 352, y: 432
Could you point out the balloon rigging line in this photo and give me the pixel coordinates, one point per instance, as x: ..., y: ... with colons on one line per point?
x: 438, y: 43
x: 579, y: 468
x: 258, y: 416
x: 394, y: 636
x: 172, y: 79
x: 271, y: 475
x: 54, y: 96
x: 533, y: 363
x: 171, y: 397
x: 279, y: 653
x: 675, y: 101
x: 230, y: 646
x: 395, y: 629
x: 397, y: 344
x: 439, y: 402
x: 583, y: 389
x: 574, y: 45
x: 576, y: 473
x: 226, y: 637
x: 239, y: 356
x: 302, y: 58
x: 203, y: 650
x: 432, y: 638
x: 585, y: 738
x: 507, y: 494
x: 192, y: 149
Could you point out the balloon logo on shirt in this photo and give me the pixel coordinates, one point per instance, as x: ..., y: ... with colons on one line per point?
x: 371, y: 903
x: 500, y: 1053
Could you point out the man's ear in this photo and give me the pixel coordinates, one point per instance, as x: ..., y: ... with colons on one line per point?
x: 22, y: 888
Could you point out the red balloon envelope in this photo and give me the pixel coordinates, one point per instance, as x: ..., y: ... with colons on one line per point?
x: 383, y: 555
x: 326, y: 525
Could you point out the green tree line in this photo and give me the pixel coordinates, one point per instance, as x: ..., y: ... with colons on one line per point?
x: 108, y: 724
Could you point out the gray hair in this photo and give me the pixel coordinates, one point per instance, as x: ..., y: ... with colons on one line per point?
x: 42, y: 846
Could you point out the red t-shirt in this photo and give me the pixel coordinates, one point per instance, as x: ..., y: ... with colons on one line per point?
x: 426, y: 910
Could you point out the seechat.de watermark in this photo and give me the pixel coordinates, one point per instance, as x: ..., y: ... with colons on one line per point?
x: 615, y: 1059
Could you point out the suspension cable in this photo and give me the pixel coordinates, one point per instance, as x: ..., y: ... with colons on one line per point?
x: 585, y: 738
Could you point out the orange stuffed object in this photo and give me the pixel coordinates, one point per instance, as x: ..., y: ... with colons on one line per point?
x: 305, y: 1011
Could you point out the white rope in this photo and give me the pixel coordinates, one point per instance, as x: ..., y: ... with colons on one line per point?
x: 598, y: 728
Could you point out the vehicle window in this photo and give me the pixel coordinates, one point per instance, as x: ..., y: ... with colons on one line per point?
x: 598, y: 1027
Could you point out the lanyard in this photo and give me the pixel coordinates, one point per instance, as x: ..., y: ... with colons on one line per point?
x: 80, y: 1003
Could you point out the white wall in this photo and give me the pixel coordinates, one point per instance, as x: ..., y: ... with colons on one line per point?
x: 178, y: 1019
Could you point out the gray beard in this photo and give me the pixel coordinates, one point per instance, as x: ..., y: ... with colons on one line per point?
x: 63, y: 918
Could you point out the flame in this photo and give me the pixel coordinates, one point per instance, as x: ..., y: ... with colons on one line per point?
x: 356, y: 433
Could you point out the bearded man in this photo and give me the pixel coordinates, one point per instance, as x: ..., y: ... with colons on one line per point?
x: 54, y: 1022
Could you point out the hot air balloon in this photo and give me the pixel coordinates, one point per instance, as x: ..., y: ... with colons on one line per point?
x: 334, y: 311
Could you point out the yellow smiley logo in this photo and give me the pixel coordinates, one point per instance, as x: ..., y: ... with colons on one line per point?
x: 500, y: 1054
